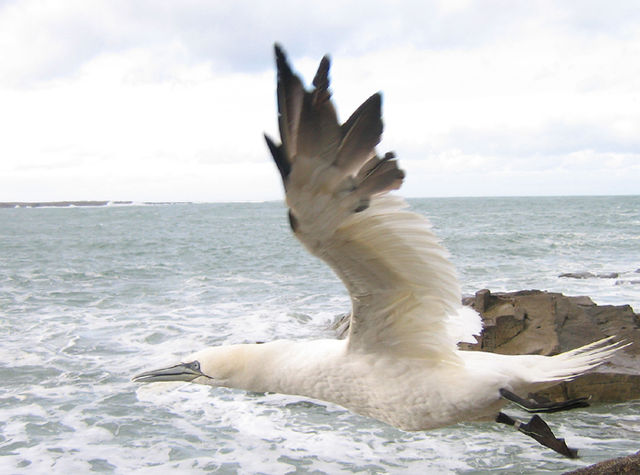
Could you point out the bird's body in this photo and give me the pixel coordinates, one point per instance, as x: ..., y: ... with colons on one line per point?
x: 400, y: 362
x: 410, y: 394
x: 406, y: 392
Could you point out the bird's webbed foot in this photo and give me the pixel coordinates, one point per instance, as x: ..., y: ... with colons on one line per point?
x: 537, y: 429
x: 530, y: 405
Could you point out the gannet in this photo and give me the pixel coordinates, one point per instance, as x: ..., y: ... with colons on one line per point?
x: 400, y: 362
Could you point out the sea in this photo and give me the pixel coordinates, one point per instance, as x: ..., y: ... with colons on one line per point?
x: 92, y: 295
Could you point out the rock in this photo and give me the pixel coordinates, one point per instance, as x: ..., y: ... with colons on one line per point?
x: 547, y: 323
x: 622, y: 465
x: 482, y: 300
x: 589, y: 275
x: 627, y: 282
x: 577, y: 275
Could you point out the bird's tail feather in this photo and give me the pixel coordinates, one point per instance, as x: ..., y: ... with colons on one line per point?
x: 570, y: 364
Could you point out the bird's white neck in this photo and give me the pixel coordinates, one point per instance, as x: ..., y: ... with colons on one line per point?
x: 280, y: 366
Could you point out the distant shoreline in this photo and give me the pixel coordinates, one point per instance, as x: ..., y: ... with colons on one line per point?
x: 59, y: 204
x: 83, y: 203
x: 98, y: 203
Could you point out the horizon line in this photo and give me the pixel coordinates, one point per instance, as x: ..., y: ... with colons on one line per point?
x: 100, y: 203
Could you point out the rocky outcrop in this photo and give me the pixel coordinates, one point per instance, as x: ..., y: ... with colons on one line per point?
x: 547, y: 323
x: 623, y: 465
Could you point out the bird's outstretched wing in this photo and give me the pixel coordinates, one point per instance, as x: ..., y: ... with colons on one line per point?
x: 404, y: 291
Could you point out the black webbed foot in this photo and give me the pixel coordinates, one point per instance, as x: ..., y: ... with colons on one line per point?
x: 537, y: 429
x: 530, y: 405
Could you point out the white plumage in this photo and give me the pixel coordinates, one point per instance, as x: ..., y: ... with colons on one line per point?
x: 400, y: 362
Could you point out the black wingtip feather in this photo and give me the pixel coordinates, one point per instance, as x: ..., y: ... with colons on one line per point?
x: 281, y: 57
x: 360, y: 134
x: 285, y: 73
x: 290, y: 92
x: 284, y: 167
x: 321, y: 81
x: 374, y: 102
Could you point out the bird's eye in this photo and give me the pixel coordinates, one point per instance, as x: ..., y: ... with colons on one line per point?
x: 196, y: 365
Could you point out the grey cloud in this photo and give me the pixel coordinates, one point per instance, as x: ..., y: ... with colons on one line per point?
x: 237, y: 33
x: 237, y: 36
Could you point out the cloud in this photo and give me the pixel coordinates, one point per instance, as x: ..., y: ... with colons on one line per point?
x: 54, y: 39
x: 119, y: 97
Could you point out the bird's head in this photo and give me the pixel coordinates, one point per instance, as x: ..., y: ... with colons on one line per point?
x: 227, y: 366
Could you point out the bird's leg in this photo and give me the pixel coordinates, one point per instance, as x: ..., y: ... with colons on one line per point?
x: 530, y: 405
x: 537, y: 429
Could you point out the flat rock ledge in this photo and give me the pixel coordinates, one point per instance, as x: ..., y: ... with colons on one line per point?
x: 622, y: 465
x: 548, y: 323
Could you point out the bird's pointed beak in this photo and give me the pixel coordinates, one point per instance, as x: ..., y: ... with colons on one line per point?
x: 181, y: 372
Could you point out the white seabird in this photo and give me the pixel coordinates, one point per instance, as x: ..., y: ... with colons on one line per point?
x: 400, y: 362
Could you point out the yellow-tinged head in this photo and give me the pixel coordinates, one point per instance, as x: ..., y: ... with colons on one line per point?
x: 238, y: 366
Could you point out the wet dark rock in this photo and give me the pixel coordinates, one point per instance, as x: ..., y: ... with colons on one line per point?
x: 627, y: 282
x: 547, y: 323
x: 589, y: 275
x: 482, y: 300
x: 535, y: 322
x: 577, y: 275
x: 622, y: 465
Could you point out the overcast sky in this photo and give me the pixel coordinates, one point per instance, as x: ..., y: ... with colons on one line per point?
x: 158, y: 100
